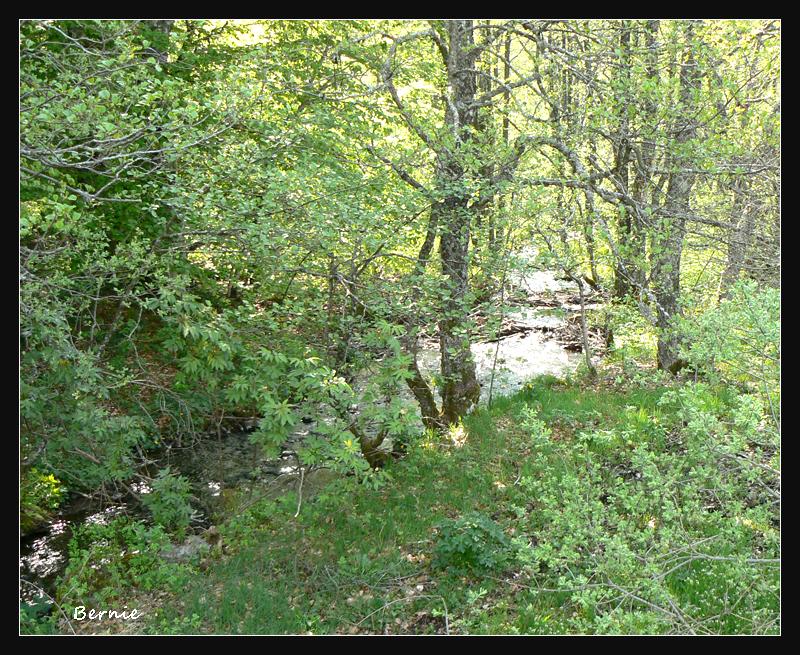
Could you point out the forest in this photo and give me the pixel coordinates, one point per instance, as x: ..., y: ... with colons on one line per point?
x: 399, y: 327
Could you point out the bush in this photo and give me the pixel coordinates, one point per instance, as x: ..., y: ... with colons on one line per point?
x: 473, y: 542
x: 738, y: 341
x: 107, y: 560
x: 40, y: 494
x: 168, y: 502
x: 679, y: 515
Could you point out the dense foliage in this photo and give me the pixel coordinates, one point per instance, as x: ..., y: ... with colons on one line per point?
x: 255, y: 223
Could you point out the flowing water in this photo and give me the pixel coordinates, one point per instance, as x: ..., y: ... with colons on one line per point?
x: 228, y: 470
x: 543, y: 305
x: 505, y: 365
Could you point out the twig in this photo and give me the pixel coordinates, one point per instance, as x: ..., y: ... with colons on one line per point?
x: 55, y: 602
x: 400, y: 600
x: 300, y: 490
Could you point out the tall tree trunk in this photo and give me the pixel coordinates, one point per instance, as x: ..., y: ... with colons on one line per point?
x: 460, y: 389
x: 622, y: 283
x: 431, y: 417
x: 642, y: 165
x: 739, y: 241
x: 668, y: 240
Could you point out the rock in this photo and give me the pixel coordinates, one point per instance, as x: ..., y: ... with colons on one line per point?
x: 188, y: 550
x: 316, y: 479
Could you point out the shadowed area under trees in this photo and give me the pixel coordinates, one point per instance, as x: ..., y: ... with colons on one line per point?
x: 400, y: 326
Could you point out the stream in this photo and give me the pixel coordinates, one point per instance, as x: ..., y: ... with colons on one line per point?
x: 538, y: 335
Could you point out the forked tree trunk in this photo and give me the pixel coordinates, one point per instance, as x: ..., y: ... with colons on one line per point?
x: 460, y: 388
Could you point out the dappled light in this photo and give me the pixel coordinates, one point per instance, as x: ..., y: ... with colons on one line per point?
x: 400, y: 327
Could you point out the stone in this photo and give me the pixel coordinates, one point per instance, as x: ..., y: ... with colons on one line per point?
x: 188, y: 550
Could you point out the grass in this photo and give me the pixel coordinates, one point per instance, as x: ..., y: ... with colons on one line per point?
x: 358, y: 560
x: 568, y: 508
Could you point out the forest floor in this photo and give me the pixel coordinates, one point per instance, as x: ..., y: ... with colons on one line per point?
x: 428, y: 552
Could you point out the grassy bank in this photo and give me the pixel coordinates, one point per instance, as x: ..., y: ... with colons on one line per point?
x: 563, y: 509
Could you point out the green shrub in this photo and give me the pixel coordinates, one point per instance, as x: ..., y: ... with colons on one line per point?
x: 37, y: 619
x: 677, y: 516
x: 107, y: 560
x: 473, y: 542
x: 40, y: 494
x: 738, y: 341
x: 169, y: 502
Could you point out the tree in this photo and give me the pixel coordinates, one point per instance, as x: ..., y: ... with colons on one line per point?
x: 668, y: 238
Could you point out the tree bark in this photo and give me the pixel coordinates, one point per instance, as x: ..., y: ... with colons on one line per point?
x: 668, y: 240
x: 622, y: 284
x: 642, y: 168
x: 739, y: 241
x: 419, y: 387
x: 460, y: 388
